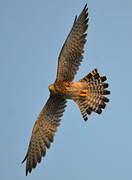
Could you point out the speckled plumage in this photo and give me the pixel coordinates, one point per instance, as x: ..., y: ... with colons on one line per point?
x: 88, y: 93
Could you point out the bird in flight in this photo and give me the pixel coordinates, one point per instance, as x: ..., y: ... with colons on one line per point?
x: 88, y: 93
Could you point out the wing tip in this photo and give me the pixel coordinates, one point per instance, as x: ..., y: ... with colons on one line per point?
x: 24, y: 159
x: 86, y: 6
x: 28, y: 169
x: 26, y: 172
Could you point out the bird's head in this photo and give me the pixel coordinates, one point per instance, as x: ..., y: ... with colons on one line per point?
x: 51, y: 88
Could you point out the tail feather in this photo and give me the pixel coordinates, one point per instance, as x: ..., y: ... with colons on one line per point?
x: 95, y: 100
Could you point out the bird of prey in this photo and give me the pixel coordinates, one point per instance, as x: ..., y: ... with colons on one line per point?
x: 88, y: 93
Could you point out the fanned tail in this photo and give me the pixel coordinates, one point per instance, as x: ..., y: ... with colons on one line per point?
x: 92, y: 97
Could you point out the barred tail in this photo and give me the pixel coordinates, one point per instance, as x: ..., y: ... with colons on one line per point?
x: 92, y: 98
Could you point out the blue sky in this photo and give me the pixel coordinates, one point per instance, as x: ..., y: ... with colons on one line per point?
x: 31, y: 36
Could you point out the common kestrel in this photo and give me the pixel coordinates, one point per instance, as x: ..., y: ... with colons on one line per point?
x: 88, y: 93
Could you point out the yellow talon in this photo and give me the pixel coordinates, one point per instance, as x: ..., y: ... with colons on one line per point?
x: 84, y: 93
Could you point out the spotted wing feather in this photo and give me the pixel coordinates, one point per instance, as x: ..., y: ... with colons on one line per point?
x: 71, y: 54
x: 44, y: 131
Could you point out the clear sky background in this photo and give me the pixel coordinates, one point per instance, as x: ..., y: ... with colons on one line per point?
x: 32, y: 33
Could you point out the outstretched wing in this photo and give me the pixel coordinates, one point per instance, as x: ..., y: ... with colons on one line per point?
x: 71, y: 54
x: 44, y: 131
